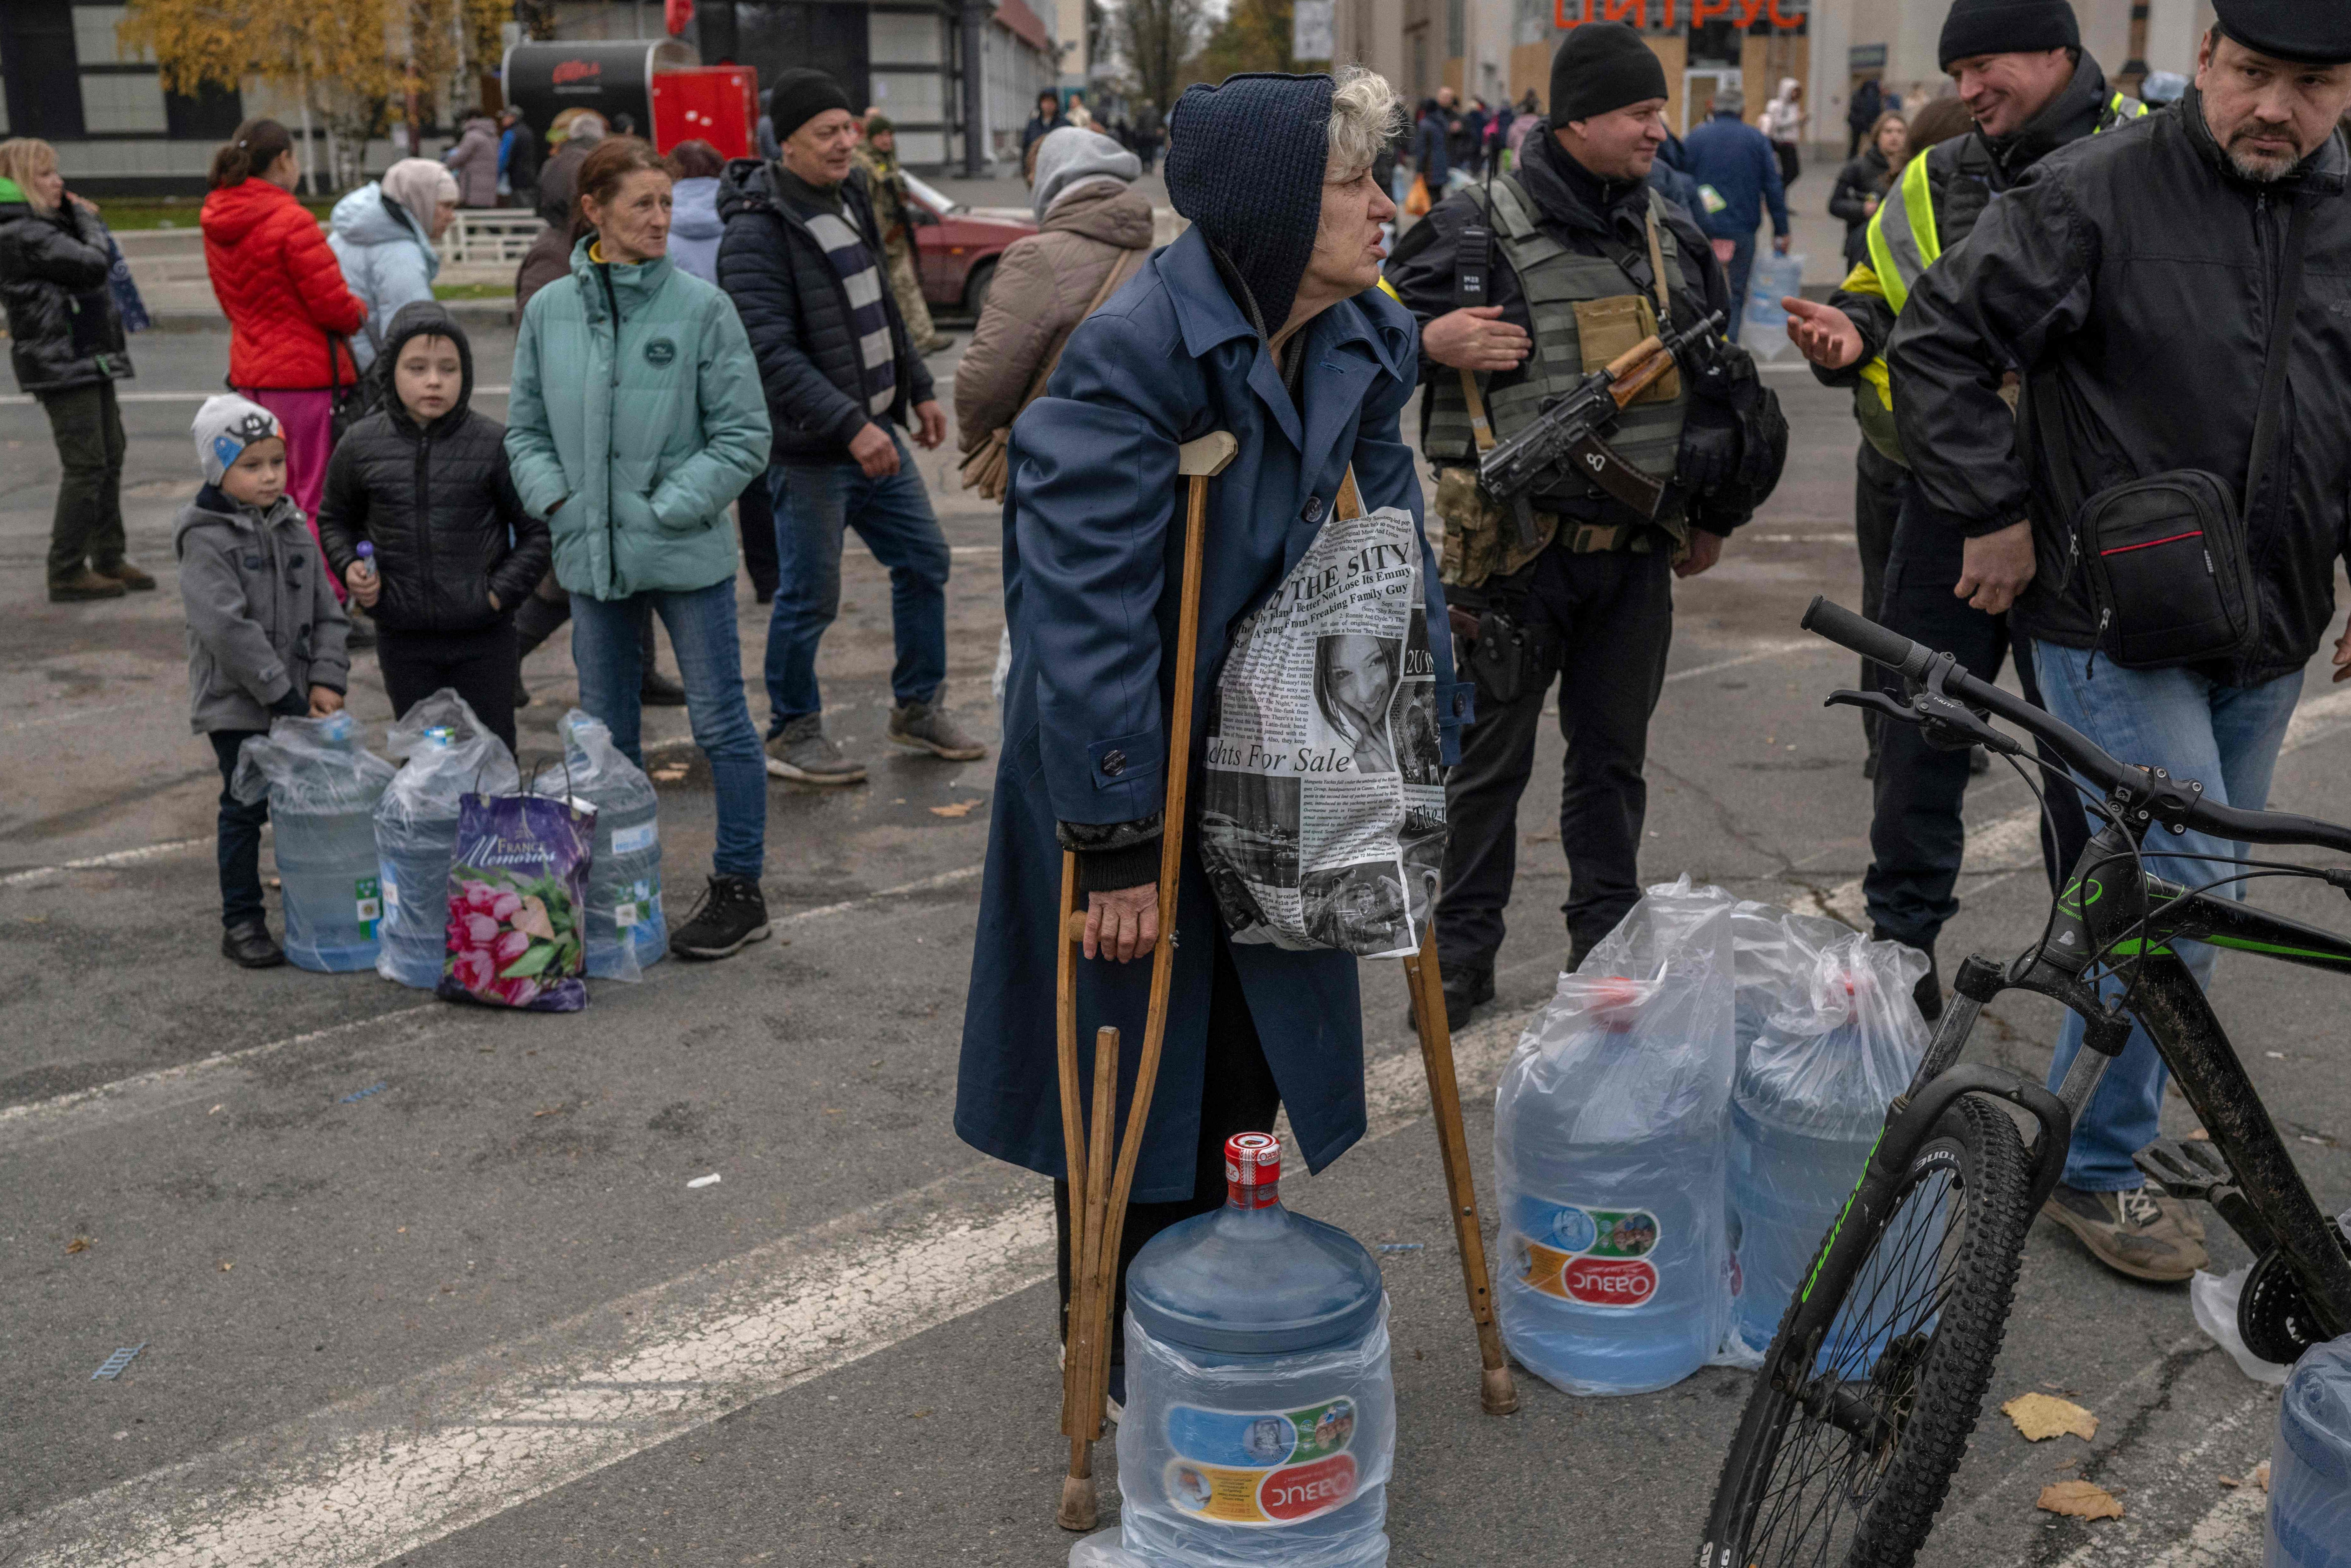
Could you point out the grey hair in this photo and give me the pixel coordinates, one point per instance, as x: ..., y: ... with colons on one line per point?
x: 1365, y: 115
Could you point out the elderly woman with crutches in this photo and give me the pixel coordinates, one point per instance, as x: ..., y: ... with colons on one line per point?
x: 1205, y: 418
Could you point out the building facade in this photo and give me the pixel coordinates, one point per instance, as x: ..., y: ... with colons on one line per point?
x: 1497, y: 48
x: 68, y: 81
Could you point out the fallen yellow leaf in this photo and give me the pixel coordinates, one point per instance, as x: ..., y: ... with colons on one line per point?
x: 225, y: 1268
x: 960, y: 809
x: 2043, y: 1415
x: 2200, y: 1136
x: 2079, y: 1499
x: 2231, y: 1481
x: 78, y: 1244
x: 669, y: 775
x: 2261, y: 1474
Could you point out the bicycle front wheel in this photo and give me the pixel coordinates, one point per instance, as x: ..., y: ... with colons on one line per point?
x: 1849, y: 1442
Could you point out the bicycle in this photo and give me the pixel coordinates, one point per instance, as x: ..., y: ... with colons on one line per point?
x: 1862, y: 1408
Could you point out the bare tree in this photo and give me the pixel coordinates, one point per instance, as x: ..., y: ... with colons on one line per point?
x: 1158, y: 36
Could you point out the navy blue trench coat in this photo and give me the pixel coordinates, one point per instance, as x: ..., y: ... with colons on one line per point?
x: 1093, y: 566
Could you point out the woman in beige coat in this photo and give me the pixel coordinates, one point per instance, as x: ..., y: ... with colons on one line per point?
x: 1090, y: 220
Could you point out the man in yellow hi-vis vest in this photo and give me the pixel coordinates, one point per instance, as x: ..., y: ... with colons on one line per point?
x: 2020, y: 68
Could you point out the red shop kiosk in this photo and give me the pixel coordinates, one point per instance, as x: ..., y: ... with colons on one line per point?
x: 658, y: 83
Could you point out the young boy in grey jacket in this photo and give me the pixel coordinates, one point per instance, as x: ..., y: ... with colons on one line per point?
x: 265, y: 635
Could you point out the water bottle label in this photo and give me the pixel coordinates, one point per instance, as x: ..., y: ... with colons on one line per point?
x: 390, y: 895
x: 633, y: 840
x: 367, y: 900
x: 1593, y: 1257
x: 1261, y: 1468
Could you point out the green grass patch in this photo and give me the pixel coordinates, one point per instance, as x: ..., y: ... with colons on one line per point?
x: 125, y: 212
x: 472, y: 291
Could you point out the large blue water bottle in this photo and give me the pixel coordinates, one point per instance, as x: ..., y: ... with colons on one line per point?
x: 323, y: 786
x: 2309, y: 1523
x: 626, y: 927
x: 1608, y: 1160
x: 1260, y: 1412
x: 447, y: 755
x: 1807, y: 1107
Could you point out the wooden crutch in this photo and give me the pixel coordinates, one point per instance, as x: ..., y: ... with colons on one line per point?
x: 1494, y: 1389
x: 1096, y: 1224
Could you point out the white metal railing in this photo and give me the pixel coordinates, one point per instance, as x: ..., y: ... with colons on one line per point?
x: 483, y: 236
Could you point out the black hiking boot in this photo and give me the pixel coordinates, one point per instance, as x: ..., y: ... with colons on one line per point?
x: 732, y: 915
x: 248, y: 944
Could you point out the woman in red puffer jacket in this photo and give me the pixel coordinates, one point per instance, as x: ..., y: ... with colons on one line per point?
x: 282, y: 290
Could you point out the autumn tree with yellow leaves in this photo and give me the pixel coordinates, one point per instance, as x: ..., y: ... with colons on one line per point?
x: 353, y: 64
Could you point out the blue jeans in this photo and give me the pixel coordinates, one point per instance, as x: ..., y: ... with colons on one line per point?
x: 605, y: 647
x: 2226, y: 739
x: 814, y: 502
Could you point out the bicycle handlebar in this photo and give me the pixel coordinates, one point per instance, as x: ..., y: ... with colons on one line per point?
x: 1873, y: 642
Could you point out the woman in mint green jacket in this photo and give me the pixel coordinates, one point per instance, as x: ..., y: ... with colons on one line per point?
x: 635, y: 418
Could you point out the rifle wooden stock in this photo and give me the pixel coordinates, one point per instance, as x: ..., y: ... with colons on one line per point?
x: 1625, y: 388
x: 1624, y: 363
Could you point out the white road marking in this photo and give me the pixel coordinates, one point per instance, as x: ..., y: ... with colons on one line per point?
x: 1753, y: 655
x: 944, y: 879
x: 105, y: 862
x: 2235, y: 1441
x: 397, y: 1467
x: 1996, y: 849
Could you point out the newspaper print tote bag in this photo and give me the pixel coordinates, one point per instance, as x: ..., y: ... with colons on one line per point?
x: 1322, y: 808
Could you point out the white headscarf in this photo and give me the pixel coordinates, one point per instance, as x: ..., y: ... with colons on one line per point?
x: 419, y: 185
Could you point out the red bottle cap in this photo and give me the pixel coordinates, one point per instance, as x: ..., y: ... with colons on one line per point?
x: 1252, y: 1170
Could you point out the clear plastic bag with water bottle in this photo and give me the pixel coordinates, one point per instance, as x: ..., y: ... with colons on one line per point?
x: 322, y: 784
x: 1807, y: 1107
x: 626, y: 927
x: 2309, y: 1521
x: 1608, y: 1155
x: 448, y: 754
x: 1763, y: 321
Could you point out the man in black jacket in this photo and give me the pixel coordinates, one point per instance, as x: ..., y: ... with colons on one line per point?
x: 802, y: 259
x: 1576, y: 228
x: 2134, y: 280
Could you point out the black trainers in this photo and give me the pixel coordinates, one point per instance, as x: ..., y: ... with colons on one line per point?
x: 249, y: 945
x: 732, y: 915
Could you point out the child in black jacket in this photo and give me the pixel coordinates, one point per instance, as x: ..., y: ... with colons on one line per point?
x: 423, y: 480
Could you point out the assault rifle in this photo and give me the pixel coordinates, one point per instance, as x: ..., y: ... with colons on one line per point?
x: 1567, y: 434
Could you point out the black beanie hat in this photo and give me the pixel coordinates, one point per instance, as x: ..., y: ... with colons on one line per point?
x: 2006, y: 28
x: 2308, y: 32
x: 1245, y: 165
x: 1602, y: 66
x: 799, y: 96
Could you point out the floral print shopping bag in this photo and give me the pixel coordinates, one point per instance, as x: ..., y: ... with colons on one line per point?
x: 518, y: 900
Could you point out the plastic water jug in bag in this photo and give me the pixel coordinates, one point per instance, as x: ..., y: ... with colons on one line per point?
x: 322, y: 786
x: 1261, y: 1411
x: 448, y: 754
x: 1807, y: 1108
x: 2309, y: 1523
x: 1764, y: 325
x: 626, y: 928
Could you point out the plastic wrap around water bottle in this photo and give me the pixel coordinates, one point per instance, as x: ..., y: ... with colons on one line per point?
x: 626, y: 928
x: 1608, y: 1155
x: 1807, y: 1107
x: 2309, y: 1521
x: 1772, y: 952
x: 448, y: 754
x: 322, y: 785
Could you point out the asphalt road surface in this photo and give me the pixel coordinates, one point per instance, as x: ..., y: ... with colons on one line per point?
x: 479, y: 1317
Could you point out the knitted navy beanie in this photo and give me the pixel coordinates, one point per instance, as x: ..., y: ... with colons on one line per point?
x: 2314, y: 32
x: 2006, y: 28
x: 1245, y: 165
x: 1602, y: 68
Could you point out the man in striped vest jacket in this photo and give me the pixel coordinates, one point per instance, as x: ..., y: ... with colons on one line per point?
x: 1576, y: 260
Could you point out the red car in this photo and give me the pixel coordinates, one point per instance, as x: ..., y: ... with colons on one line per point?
x: 956, y: 248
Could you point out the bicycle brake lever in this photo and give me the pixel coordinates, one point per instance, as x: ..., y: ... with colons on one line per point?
x: 1877, y: 703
